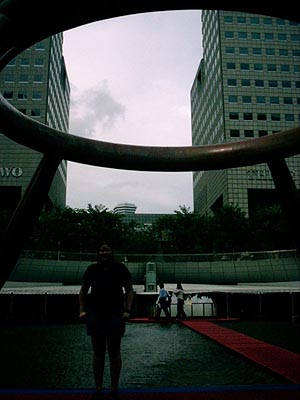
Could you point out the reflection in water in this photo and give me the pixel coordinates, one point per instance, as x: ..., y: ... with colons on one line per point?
x: 154, y: 355
x: 196, y: 306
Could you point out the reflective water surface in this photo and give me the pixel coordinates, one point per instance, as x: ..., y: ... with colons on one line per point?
x: 154, y: 355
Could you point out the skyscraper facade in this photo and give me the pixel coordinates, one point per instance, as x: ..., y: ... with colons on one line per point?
x: 36, y: 83
x: 247, y: 86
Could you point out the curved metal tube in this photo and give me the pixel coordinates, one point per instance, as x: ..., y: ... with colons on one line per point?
x: 40, y: 137
x: 16, y: 19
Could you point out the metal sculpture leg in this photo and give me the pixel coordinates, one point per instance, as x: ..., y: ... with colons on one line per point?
x: 26, y: 215
x: 288, y: 195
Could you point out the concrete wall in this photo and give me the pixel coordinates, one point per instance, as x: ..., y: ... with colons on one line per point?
x: 224, y: 271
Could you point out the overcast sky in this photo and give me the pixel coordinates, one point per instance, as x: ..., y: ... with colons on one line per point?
x: 130, y: 83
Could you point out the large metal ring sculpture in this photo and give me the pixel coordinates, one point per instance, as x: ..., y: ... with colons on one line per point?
x: 24, y: 22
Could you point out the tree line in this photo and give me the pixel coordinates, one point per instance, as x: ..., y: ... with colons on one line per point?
x: 226, y: 230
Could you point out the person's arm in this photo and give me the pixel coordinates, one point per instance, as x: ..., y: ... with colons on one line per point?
x: 129, y: 295
x: 82, y: 300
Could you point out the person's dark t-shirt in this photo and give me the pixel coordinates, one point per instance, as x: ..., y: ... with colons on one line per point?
x: 107, y: 280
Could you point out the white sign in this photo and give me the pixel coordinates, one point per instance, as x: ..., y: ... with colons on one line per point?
x: 259, y: 174
x: 15, y: 172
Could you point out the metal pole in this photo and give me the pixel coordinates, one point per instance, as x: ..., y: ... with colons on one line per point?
x: 26, y: 215
x: 227, y: 305
x: 288, y: 196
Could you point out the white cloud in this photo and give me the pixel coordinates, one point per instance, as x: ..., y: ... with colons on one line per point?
x: 94, y: 108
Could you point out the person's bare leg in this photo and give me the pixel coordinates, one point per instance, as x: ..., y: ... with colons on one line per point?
x: 115, y: 370
x: 99, y: 347
x: 98, y: 369
x: 115, y: 360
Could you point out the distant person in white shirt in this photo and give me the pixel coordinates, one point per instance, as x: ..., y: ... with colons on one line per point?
x: 179, y: 293
x: 163, y: 302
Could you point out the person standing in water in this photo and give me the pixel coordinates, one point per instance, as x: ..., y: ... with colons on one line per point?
x: 105, y: 311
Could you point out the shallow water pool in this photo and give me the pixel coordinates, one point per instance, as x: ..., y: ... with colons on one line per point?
x: 154, y: 355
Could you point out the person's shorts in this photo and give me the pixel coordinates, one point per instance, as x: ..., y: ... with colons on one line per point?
x: 107, y: 326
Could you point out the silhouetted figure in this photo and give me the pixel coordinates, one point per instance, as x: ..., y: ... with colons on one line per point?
x: 163, y: 302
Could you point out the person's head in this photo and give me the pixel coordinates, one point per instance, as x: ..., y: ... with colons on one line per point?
x: 104, y: 252
x: 179, y: 286
x: 161, y: 285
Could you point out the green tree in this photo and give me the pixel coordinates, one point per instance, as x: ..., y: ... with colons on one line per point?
x: 183, y: 232
x: 229, y: 229
x: 269, y: 229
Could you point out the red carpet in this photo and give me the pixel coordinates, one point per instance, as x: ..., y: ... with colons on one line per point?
x: 281, y: 392
x: 277, y: 359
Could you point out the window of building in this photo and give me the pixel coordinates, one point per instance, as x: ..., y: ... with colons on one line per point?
x: 271, y: 67
x: 297, y: 84
x: 280, y: 22
x: 296, y: 68
x: 269, y: 36
x: 24, y: 78
x: 261, y: 117
x: 275, y: 117
x: 228, y: 19
x: 8, y: 94
x: 234, y: 115
x: 286, y: 84
x: 270, y: 51
x: 35, y: 112
x: 9, y: 78
x: 274, y: 100
x: 245, y: 67
x: 242, y: 35
x: 24, y: 62
x: 267, y: 21
x: 231, y: 82
x: 36, y: 95
x: 232, y: 98
x: 282, y: 36
x: 241, y: 20
x: 248, y: 116
x: 245, y: 82
x: 255, y: 35
x: 273, y: 83
x: 296, y: 53
x: 38, y: 78
x: 287, y: 100
x: 229, y: 35
x: 229, y: 50
x: 38, y: 62
x: 254, y: 20
x: 295, y: 37
x: 230, y: 65
x: 257, y: 51
x: 246, y: 99
x: 289, y: 117
x: 258, y: 67
x: 234, y: 133
x: 22, y: 96
x: 283, y: 52
x: 243, y: 51
x: 259, y: 83
x: 284, y: 68
x: 249, y: 133
x: 260, y: 99
x: 40, y: 45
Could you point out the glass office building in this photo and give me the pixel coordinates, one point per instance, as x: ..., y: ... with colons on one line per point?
x: 247, y: 86
x: 36, y: 83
